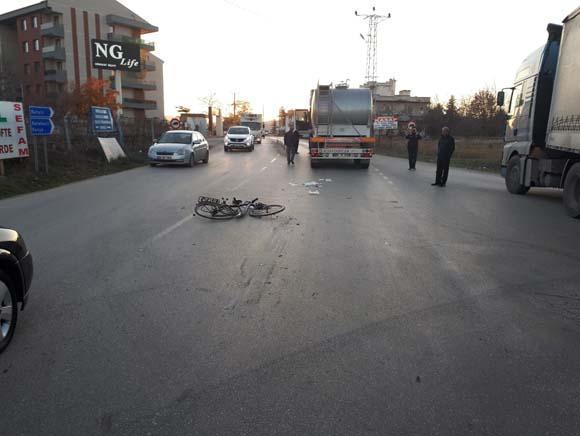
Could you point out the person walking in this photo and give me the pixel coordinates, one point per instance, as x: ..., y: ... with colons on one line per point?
x: 291, y: 141
x: 413, y: 138
x: 445, y: 150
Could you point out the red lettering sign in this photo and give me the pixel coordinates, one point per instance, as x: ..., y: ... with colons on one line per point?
x: 17, y: 107
x: 6, y: 148
x: 23, y: 152
x: 22, y: 141
x: 19, y: 119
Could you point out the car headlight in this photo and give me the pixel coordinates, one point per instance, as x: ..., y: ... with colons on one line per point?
x: 248, y: 140
x: 180, y: 152
x: 151, y: 152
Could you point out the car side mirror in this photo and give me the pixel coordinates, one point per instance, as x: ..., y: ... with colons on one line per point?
x: 197, y: 141
x: 500, y: 98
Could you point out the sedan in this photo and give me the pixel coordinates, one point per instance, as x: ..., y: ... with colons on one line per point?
x: 182, y: 147
x: 15, y: 278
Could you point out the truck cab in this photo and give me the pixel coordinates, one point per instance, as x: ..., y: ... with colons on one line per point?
x: 255, y: 123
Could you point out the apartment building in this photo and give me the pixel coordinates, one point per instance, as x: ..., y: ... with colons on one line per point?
x: 48, y: 46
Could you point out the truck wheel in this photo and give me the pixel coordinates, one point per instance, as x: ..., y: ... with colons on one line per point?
x: 572, y: 192
x: 512, y: 178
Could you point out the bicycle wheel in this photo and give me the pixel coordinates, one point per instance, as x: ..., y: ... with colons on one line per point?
x: 217, y: 211
x: 260, y: 210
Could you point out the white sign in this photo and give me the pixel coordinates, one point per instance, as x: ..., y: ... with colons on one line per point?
x: 386, y: 123
x: 111, y: 148
x: 13, y: 141
x: 174, y: 123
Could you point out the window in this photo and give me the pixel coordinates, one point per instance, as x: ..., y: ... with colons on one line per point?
x: 24, y: 25
x: 25, y: 47
x: 57, y: 43
x: 36, y: 45
x: 26, y: 69
x: 35, y: 22
x: 37, y: 67
x: 38, y: 89
x: 60, y: 87
x: 59, y: 66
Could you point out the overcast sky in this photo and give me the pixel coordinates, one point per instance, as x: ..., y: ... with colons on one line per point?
x: 273, y: 52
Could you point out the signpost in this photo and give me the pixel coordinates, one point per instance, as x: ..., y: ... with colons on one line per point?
x: 41, y: 125
x: 102, y: 119
x: 13, y: 142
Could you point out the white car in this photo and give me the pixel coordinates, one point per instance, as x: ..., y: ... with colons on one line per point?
x: 185, y: 147
x: 239, y: 137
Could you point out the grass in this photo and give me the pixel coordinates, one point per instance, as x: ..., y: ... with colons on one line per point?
x: 482, y: 154
x: 21, y: 178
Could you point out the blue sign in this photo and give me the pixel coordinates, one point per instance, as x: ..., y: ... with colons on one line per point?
x: 40, y: 120
x: 40, y: 112
x: 41, y: 126
x: 102, y: 119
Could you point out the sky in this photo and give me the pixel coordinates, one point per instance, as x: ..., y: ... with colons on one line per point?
x: 272, y: 52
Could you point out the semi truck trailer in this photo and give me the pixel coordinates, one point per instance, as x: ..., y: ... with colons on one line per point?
x: 256, y: 125
x: 543, y: 127
x: 341, y: 125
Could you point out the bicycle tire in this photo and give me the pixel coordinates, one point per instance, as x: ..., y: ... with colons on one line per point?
x: 266, y: 210
x: 217, y: 211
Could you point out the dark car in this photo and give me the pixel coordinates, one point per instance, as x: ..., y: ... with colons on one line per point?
x: 15, y: 278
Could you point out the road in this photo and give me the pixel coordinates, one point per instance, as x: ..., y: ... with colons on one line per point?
x: 381, y: 306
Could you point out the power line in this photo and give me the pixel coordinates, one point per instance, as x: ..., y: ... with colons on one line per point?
x: 371, y: 41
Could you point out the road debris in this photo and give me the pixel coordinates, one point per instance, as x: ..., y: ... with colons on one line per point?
x: 313, y: 184
x: 314, y: 192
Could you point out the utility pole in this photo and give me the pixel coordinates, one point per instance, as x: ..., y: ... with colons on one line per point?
x: 371, y: 41
x: 234, y: 104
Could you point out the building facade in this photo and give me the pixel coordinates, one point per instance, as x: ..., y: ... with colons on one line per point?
x: 405, y: 107
x: 48, y: 46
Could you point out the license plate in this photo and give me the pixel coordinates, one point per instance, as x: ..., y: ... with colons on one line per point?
x: 208, y: 200
x: 165, y: 157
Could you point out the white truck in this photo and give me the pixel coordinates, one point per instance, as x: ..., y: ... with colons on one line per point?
x: 256, y: 125
x: 300, y: 120
x: 543, y: 107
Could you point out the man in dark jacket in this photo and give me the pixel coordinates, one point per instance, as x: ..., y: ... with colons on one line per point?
x: 413, y: 147
x: 291, y: 141
x: 445, y: 150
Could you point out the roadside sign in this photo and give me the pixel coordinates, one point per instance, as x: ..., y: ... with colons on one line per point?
x: 175, y: 123
x: 40, y: 120
x: 102, y: 119
x: 13, y: 143
x: 386, y: 123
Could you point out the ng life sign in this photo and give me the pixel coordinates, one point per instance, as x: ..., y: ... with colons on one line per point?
x: 112, y: 55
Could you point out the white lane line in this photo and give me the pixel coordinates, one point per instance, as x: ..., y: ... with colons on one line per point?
x: 171, y: 228
x: 263, y: 169
x: 385, y: 177
x: 273, y: 160
x: 239, y: 185
x: 391, y: 182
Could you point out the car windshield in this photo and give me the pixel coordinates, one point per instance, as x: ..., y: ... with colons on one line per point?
x: 253, y: 125
x: 175, y: 138
x: 238, y: 131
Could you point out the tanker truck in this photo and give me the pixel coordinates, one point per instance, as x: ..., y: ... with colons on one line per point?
x: 543, y: 128
x: 341, y: 125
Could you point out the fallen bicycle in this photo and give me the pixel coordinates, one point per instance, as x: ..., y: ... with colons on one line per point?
x: 220, y: 209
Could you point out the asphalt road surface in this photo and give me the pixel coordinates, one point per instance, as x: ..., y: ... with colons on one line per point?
x: 381, y: 306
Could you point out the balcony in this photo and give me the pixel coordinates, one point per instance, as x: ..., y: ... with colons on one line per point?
x: 52, y: 30
x: 53, y: 52
x: 134, y: 83
x: 55, y: 76
x: 147, y: 45
x: 138, y: 103
x: 148, y: 66
x: 131, y: 22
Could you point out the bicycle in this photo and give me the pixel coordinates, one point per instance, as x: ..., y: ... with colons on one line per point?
x: 219, y: 209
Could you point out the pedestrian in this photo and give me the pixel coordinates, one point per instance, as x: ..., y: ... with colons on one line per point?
x: 291, y: 140
x: 413, y: 138
x: 445, y: 149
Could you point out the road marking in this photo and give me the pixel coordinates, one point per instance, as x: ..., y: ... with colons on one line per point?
x: 171, y: 228
x: 273, y: 160
x: 239, y: 185
x: 385, y: 177
x: 391, y: 182
x: 265, y: 168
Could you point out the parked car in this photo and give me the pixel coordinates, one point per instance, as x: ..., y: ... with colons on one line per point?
x: 182, y: 147
x: 239, y: 137
x: 15, y: 279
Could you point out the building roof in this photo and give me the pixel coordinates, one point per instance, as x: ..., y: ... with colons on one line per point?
x: 12, y: 15
x: 136, y: 22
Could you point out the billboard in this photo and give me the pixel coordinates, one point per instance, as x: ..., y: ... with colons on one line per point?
x: 13, y: 141
x: 386, y: 123
x: 112, y: 55
x: 101, y: 119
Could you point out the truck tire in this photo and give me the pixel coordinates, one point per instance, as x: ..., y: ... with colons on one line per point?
x: 572, y: 191
x: 512, y: 178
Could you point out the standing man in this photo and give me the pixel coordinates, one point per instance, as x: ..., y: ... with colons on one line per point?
x: 291, y: 141
x: 445, y: 150
x: 413, y: 147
